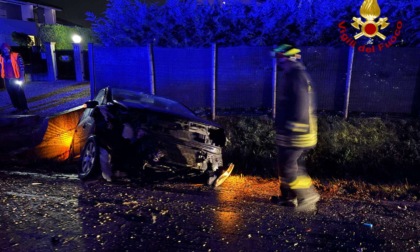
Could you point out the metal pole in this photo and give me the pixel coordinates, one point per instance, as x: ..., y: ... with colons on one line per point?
x: 348, y: 82
x: 92, y: 70
x: 152, y: 70
x: 274, y: 88
x: 214, y: 79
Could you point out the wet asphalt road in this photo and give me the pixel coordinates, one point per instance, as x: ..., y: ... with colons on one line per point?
x: 49, y: 211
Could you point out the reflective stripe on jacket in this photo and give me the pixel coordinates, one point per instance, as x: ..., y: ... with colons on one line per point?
x: 15, y: 64
x: 306, y: 140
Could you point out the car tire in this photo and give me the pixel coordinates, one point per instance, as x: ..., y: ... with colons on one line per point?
x: 89, y: 160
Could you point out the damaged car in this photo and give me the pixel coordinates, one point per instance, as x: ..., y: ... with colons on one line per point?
x: 128, y: 132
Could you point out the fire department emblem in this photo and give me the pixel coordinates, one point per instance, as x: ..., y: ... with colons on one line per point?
x: 370, y: 28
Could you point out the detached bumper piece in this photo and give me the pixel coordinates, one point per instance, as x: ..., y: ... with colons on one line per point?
x: 222, y: 178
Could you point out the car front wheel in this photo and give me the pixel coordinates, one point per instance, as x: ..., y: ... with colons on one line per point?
x: 89, y: 167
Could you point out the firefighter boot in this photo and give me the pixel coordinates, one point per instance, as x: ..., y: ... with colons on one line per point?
x: 287, y: 197
x: 307, y: 199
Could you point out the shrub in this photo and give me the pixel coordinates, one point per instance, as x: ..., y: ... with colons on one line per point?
x: 251, y: 144
x: 350, y: 148
x: 61, y: 35
x: 374, y: 149
x: 263, y: 23
x: 371, y: 149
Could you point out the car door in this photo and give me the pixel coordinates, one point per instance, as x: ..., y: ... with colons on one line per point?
x: 85, y: 127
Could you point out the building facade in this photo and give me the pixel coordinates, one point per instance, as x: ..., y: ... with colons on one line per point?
x: 23, y: 17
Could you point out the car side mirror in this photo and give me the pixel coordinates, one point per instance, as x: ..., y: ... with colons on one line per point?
x: 91, y: 104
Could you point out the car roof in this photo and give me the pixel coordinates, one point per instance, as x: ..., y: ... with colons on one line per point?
x: 139, y: 100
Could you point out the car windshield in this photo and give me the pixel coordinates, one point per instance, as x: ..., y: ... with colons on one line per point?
x: 147, y: 101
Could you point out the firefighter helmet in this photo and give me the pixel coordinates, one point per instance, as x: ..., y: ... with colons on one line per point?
x: 285, y: 51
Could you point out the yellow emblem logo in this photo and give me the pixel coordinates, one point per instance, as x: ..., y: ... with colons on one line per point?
x: 370, y: 11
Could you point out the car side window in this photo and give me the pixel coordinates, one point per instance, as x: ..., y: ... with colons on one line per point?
x: 100, y: 97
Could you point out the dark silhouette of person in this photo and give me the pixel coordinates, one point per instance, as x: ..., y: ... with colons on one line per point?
x: 13, y: 73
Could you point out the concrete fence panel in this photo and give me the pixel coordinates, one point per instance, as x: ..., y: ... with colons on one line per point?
x: 328, y: 69
x: 184, y: 75
x: 385, y: 82
x: 242, y: 77
x: 125, y: 67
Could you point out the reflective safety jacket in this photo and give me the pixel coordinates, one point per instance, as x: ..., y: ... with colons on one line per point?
x: 17, y: 65
x: 296, y: 124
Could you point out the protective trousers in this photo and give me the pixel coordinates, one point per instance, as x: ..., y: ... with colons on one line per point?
x: 295, y: 183
x: 287, y: 164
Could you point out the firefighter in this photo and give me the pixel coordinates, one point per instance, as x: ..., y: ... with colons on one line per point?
x: 296, y: 129
x: 13, y: 73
